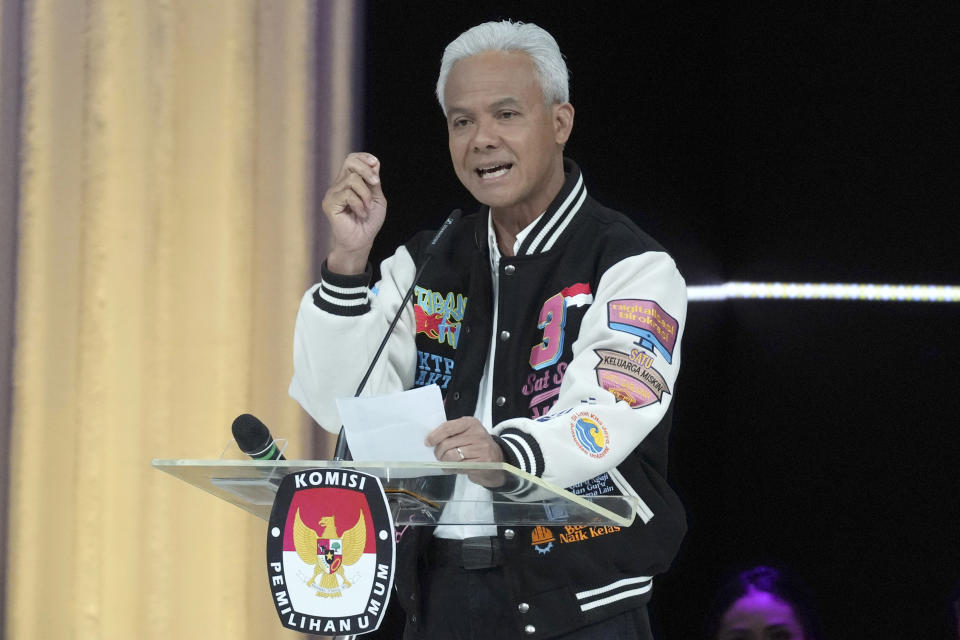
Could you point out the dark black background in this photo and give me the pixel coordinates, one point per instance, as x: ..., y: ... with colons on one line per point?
x: 760, y: 142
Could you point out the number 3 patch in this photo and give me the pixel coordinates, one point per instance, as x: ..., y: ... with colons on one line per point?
x: 553, y: 319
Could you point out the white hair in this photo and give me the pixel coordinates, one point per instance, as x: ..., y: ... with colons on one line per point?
x: 511, y: 36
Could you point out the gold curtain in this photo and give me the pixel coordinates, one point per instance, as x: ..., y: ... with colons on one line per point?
x: 165, y: 231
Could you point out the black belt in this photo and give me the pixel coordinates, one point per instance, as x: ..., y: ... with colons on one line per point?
x: 469, y: 553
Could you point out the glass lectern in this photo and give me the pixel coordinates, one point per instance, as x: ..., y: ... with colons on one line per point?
x: 417, y: 491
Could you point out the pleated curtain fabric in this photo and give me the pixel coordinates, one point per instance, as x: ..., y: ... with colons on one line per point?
x: 167, y: 215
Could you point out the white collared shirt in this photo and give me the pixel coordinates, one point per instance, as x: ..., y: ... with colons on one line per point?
x: 477, y: 500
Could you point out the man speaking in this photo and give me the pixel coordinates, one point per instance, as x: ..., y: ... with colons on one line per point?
x: 552, y: 325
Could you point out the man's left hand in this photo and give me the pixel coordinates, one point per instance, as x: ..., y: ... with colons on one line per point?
x: 463, y: 440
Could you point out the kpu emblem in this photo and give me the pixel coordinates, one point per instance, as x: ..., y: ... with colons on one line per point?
x: 330, y: 552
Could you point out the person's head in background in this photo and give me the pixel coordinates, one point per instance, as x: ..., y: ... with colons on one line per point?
x: 761, y: 603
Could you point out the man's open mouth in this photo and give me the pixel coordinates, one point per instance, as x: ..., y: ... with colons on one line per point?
x: 495, y: 171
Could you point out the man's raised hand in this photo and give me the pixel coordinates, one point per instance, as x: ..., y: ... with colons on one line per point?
x: 356, y: 207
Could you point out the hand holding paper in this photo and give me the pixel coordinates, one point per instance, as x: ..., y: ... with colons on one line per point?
x: 393, y: 427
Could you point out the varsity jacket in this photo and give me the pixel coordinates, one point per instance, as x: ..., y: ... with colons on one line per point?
x: 591, y: 312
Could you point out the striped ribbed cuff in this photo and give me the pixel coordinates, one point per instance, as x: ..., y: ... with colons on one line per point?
x: 343, y: 295
x: 521, y: 450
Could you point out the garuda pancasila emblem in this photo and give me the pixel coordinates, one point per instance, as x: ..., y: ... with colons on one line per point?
x: 329, y: 552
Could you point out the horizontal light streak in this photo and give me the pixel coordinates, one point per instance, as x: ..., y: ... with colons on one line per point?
x: 823, y: 291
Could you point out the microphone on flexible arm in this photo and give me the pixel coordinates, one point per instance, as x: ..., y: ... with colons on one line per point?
x: 439, y: 244
x: 254, y: 438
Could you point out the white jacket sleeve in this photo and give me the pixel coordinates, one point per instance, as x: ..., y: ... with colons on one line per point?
x: 340, y: 324
x: 620, y: 381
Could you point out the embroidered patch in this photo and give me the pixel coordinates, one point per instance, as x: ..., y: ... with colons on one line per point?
x: 583, y: 533
x: 577, y: 295
x: 590, y: 434
x: 543, y: 388
x: 542, y: 540
x: 433, y: 369
x: 553, y: 319
x: 645, y: 319
x: 551, y: 416
x: 601, y: 485
x: 439, y: 316
x: 630, y: 377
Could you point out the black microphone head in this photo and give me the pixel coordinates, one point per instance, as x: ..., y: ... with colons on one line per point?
x: 254, y: 438
x: 441, y: 240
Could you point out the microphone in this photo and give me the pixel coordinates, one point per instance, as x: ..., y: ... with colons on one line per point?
x: 438, y: 245
x: 254, y: 438
x: 441, y: 240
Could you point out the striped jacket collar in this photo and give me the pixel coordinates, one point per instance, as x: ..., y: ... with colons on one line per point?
x: 549, y: 227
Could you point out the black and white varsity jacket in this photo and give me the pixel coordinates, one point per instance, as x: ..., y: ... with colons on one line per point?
x: 591, y: 312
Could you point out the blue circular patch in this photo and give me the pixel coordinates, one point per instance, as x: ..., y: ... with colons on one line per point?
x: 590, y: 435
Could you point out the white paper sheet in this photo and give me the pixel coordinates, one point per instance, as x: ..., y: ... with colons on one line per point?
x: 392, y: 427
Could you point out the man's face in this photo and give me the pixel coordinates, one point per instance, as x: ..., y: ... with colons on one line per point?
x: 505, y: 143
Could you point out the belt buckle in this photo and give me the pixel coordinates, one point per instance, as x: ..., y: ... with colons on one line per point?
x: 479, y: 553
